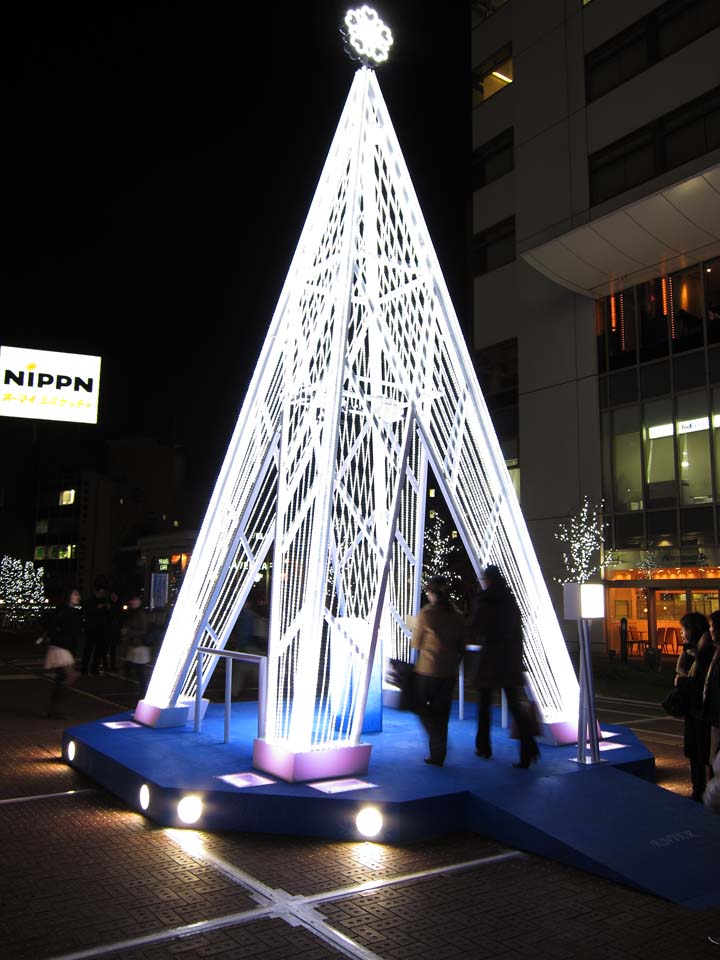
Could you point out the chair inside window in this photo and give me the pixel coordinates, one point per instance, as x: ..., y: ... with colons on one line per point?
x: 663, y: 643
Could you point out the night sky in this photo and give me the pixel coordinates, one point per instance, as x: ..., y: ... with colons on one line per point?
x: 159, y: 164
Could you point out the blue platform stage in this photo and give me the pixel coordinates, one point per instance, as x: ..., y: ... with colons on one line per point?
x: 609, y: 819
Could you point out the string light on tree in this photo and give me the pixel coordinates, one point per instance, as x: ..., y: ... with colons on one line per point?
x: 584, y: 536
x: 22, y: 587
x: 439, y: 549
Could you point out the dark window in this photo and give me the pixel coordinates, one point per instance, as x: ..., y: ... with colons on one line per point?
x: 600, y: 334
x: 623, y: 387
x: 629, y: 530
x: 655, y: 379
x: 714, y: 365
x: 696, y: 525
x: 711, y: 278
x: 658, y: 35
x: 689, y: 372
x: 653, y: 309
x: 661, y: 529
x: 493, y: 159
x: 493, y: 247
x: 482, y: 9
x: 497, y: 370
x: 688, y: 132
x: 620, y: 319
x: 686, y: 325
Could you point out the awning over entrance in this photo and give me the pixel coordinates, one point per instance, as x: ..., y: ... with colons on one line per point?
x: 669, y: 230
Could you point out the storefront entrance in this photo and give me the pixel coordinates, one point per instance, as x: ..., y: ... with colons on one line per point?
x: 652, y: 614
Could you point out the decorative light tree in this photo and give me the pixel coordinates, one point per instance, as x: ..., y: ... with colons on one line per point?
x: 584, y: 601
x: 364, y: 380
x: 439, y: 550
x: 585, y: 537
x: 22, y: 588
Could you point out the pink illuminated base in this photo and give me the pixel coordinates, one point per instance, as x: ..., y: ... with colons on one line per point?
x: 299, y: 766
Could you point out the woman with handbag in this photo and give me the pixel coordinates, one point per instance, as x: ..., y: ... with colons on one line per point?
x: 711, y: 689
x: 439, y: 636
x: 690, y: 671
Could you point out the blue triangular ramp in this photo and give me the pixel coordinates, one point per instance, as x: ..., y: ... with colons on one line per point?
x: 610, y: 823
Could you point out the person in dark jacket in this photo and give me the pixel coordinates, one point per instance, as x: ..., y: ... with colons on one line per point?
x: 692, y: 666
x: 439, y: 636
x: 497, y: 626
x: 711, y: 688
x: 64, y: 636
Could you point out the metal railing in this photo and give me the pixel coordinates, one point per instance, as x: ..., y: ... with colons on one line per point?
x: 229, y: 656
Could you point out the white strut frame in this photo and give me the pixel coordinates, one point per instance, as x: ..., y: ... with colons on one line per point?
x: 364, y: 377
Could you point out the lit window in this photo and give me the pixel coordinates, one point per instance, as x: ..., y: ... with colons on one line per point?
x: 176, y: 523
x: 39, y: 553
x: 67, y: 497
x: 122, y: 501
x: 431, y: 514
x: 431, y: 492
x: 453, y: 535
x: 492, y: 76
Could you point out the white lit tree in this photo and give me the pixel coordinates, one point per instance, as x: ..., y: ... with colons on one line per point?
x: 21, y: 586
x: 584, y: 536
x: 439, y: 550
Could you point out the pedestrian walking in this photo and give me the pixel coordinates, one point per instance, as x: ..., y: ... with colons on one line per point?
x: 64, y: 636
x: 497, y: 626
x: 439, y: 636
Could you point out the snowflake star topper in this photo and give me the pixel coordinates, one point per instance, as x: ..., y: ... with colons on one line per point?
x: 366, y: 37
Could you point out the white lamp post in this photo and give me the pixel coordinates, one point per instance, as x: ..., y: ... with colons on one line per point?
x: 585, y: 602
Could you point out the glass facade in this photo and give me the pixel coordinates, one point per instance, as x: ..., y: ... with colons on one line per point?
x: 660, y: 427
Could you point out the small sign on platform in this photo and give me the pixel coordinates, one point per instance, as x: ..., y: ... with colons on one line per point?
x: 120, y: 724
x: 245, y: 779
x: 340, y: 786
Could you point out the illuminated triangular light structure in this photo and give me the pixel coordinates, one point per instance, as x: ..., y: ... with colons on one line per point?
x: 364, y: 377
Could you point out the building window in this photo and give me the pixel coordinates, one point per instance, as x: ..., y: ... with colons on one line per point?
x: 492, y: 76
x: 39, y: 553
x: 493, y: 247
x: 711, y: 279
x: 653, y: 306
x: 621, y: 335
x: 497, y: 370
x: 693, y: 448
x: 493, y: 159
x: 664, y: 31
x: 482, y: 9
x: 67, y: 498
x: 41, y: 526
x: 685, y: 309
x: 660, y: 454
x: 626, y: 460
x: 63, y: 551
x: 682, y: 135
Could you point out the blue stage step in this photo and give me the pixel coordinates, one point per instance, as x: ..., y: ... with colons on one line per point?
x: 605, y: 818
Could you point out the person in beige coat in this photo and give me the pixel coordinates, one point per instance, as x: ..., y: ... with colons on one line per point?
x: 439, y: 636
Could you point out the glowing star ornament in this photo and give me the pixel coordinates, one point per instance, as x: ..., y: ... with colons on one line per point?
x: 364, y: 380
x: 366, y: 37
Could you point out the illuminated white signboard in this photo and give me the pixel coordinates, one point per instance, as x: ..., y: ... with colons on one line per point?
x: 44, y: 385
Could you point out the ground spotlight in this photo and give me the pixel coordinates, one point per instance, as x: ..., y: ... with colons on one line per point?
x: 71, y: 750
x: 369, y: 821
x: 190, y: 808
x: 144, y: 796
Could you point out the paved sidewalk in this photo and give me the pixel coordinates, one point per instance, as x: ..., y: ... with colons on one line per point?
x: 83, y: 876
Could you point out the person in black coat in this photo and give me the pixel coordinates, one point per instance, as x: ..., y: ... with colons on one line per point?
x: 497, y: 626
x: 690, y: 671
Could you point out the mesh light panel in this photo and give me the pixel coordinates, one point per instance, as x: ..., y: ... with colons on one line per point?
x: 364, y: 378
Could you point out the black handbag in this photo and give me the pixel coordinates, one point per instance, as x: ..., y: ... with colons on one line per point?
x: 402, y: 675
x: 677, y: 702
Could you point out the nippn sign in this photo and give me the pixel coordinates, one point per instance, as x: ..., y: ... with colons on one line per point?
x: 44, y: 385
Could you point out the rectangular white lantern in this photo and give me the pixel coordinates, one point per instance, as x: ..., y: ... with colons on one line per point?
x: 584, y: 601
x: 46, y: 385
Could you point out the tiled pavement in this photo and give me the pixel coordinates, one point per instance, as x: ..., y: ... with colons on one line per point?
x: 82, y: 876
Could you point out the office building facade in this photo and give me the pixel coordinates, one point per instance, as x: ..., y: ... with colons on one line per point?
x: 596, y: 286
